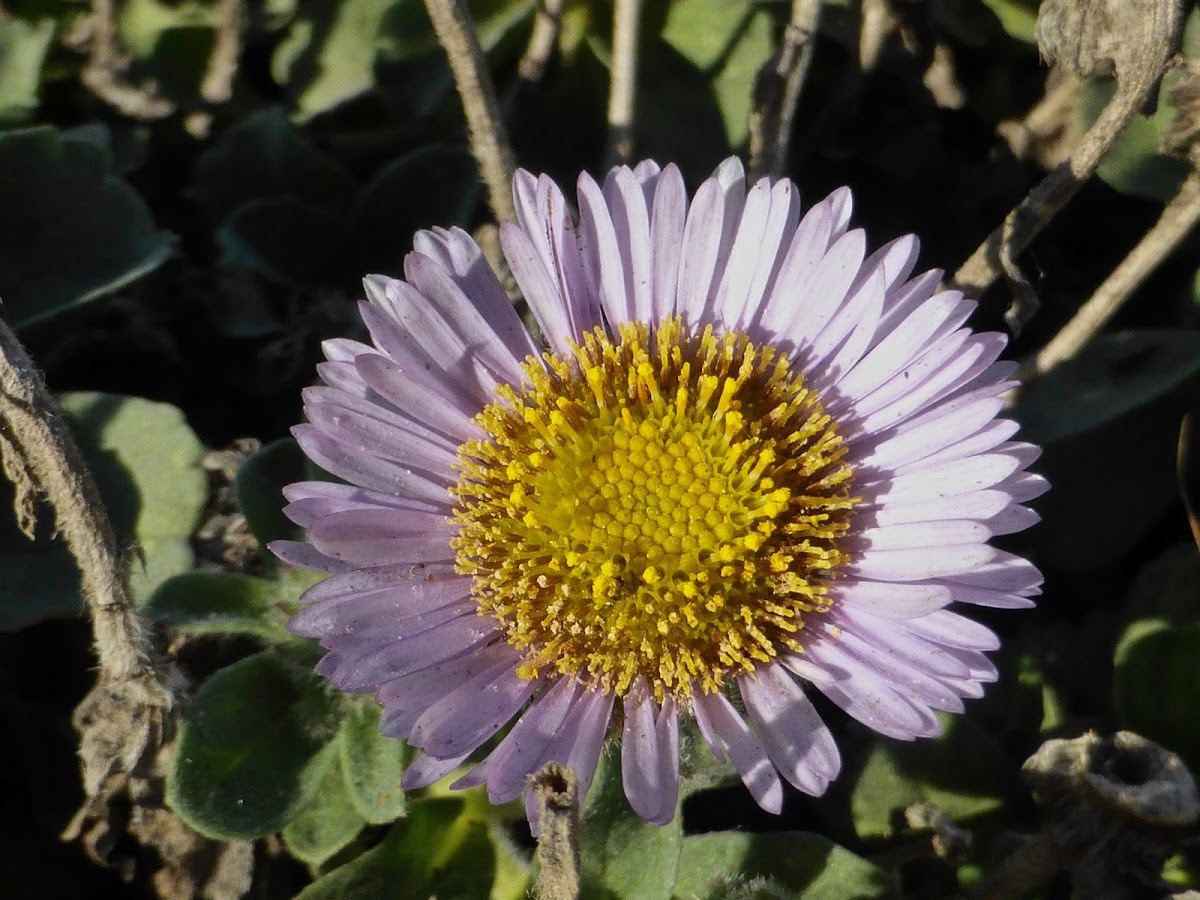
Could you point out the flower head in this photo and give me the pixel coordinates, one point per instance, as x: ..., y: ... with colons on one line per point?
x: 750, y: 457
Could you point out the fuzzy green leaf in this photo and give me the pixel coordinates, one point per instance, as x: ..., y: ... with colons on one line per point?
x: 622, y: 855
x: 808, y: 864
x: 70, y: 230
x: 1156, y: 684
x: 220, y: 603
x: 372, y: 764
x: 244, y: 761
x: 146, y: 461
x: 438, y: 851
x: 329, y: 821
x: 23, y: 47
x: 260, y: 483
x: 286, y: 240
x: 964, y: 772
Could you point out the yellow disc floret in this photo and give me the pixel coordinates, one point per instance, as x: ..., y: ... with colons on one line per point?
x: 668, y: 505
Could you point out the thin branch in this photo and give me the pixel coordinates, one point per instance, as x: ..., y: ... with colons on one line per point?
x: 217, y: 86
x: 1178, y: 218
x: 101, y: 74
x: 997, y: 254
x: 627, y: 16
x: 777, y: 93
x: 555, y: 793
x: 531, y: 69
x: 489, y: 140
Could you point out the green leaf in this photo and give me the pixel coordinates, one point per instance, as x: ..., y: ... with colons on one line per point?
x: 372, y: 764
x: 70, y: 230
x: 1112, y: 375
x: 1165, y: 588
x: 1134, y: 165
x: 808, y: 864
x: 260, y: 483
x: 438, y: 851
x: 622, y: 855
x: 964, y: 772
x: 23, y: 47
x: 1017, y: 17
x: 244, y: 760
x: 434, y: 185
x: 286, y: 240
x: 1156, y: 684
x: 263, y: 156
x: 146, y: 462
x: 329, y: 822
x: 728, y: 40
x: 220, y: 603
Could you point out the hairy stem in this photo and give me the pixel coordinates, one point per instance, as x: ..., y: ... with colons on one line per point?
x: 485, y: 128
x: 627, y: 15
x: 778, y: 92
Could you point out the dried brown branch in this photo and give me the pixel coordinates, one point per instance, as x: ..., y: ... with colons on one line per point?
x: 531, y: 69
x: 217, y: 86
x: 1177, y: 220
x: 554, y: 791
x: 125, y: 720
x: 102, y: 73
x: 777, y: 92
x: 627, y: 16
x: 489, y: 139
x: 1135, y: 39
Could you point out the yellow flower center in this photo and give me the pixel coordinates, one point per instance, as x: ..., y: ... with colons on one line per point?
x: 667, y: 506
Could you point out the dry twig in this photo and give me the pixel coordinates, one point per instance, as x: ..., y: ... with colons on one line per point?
x: 102, y: 73
x: 777, y: 92
x: 1136, y: 39
x: 627, y: 16
x: 1177, y: 220
x: 531, y: 69
x: 489, y: 140
x: 554, y: 791
x: 217, y: 86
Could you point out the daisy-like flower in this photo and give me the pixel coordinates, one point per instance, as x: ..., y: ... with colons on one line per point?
x: 750, y: 460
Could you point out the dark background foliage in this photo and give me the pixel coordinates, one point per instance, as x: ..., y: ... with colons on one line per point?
x: 174, y: 274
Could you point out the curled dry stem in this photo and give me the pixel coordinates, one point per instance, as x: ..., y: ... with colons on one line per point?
x: 777, y: 93
x: 102, y: 72
x: 485, y: 127
x: 1178, y: 218
x: 556, y: 795
x: 1133, y: 39
x: 125, y: 719
x: 547, y: 22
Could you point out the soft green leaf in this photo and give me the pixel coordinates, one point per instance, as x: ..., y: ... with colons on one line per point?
x: 287, y: 240
x: 622, y: 855
x: 23, y: 47
x: 372, y: 764
x: 1167, y: 587
x: 264, y: 156
x: 1156, y: 684
x: 434, y: 185
x: 808, y: 864
x: 146, y: 462
x: 260, y: 483
x: 438, y: 851
x: 1017, y: 17
x: 1134, y: 165
x: 243, y: 763
x: 70, y: 230
x: 329, y: 821
x: 964, y: 772
x: 220, y: 603
x: 1112, y: 375
x: 728, y: 40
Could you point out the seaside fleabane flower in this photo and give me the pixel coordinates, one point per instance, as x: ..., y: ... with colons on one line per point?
x: 750, y: 460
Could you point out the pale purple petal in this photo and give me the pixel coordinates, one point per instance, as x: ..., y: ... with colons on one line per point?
x: 792, y: 733
x: 728, y: 734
